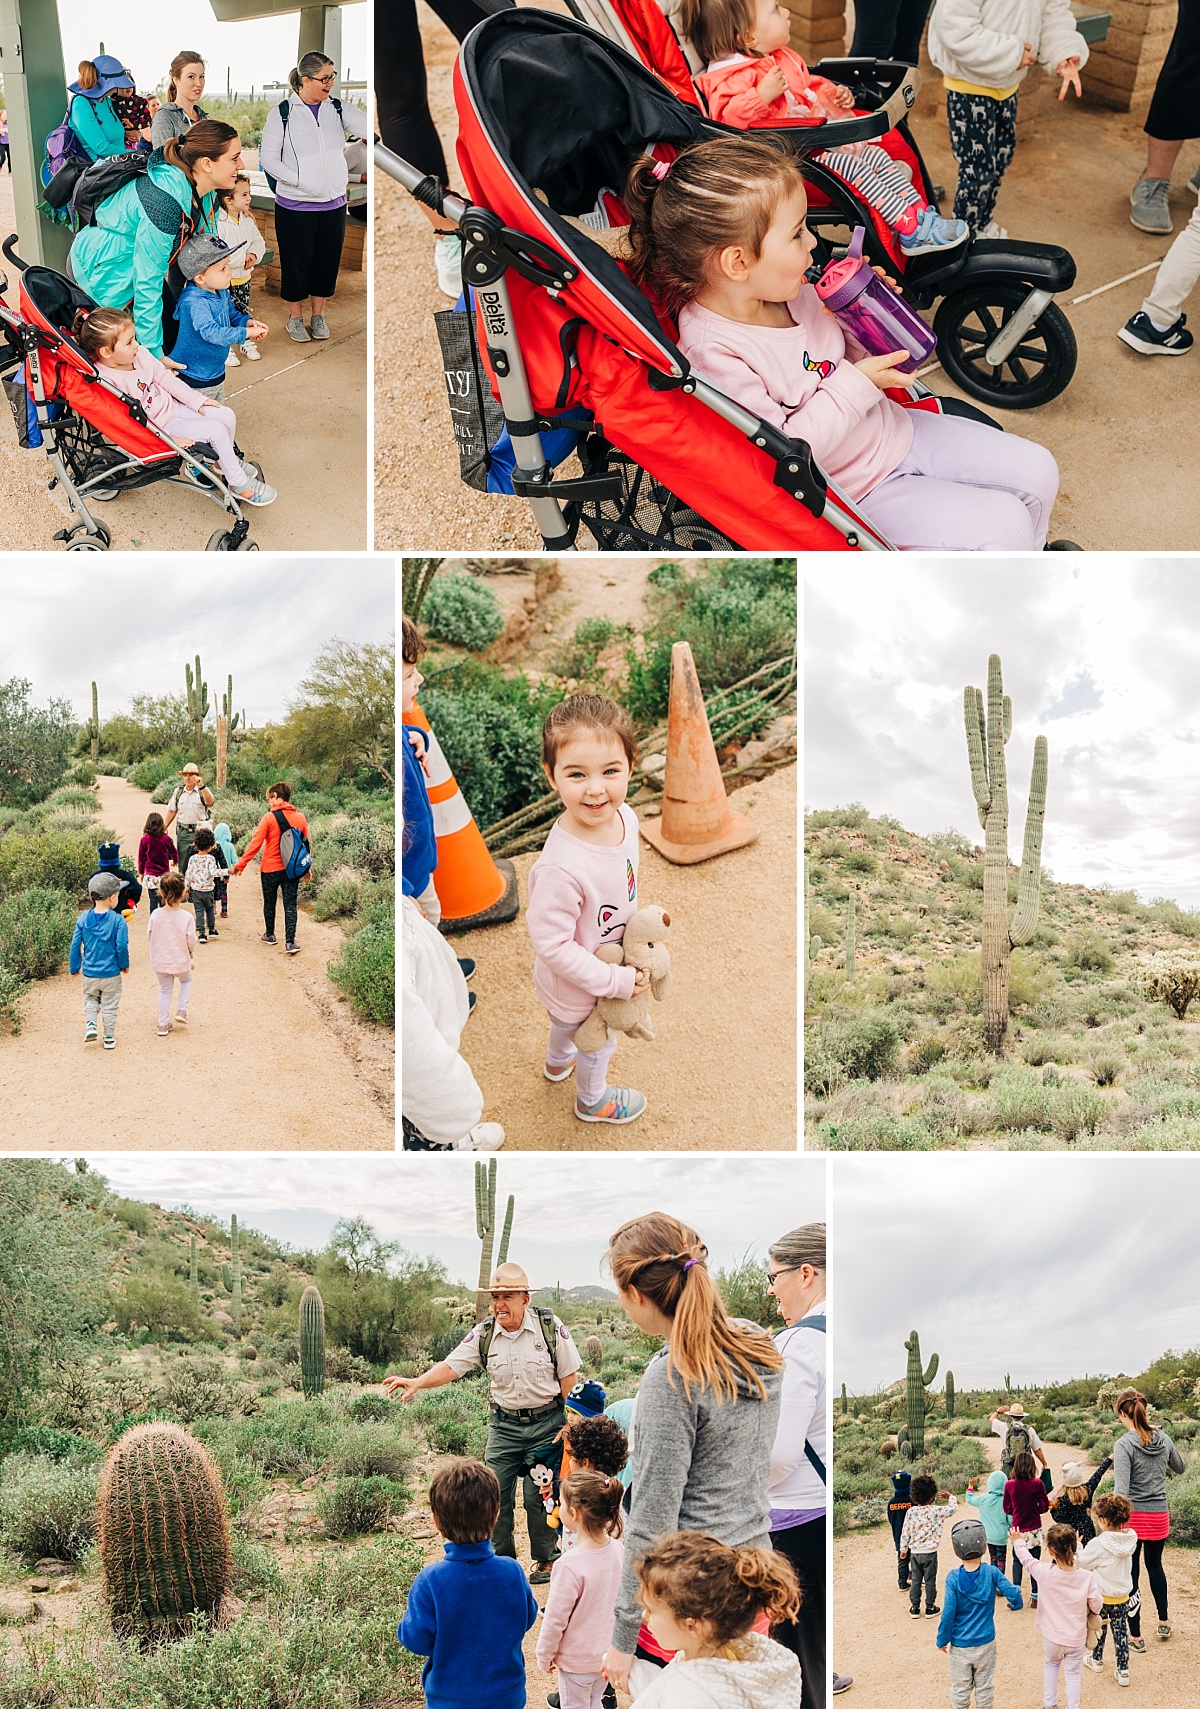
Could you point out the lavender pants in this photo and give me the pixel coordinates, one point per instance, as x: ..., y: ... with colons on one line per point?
x: 964, y: 487
x: 216, y: 427
x: 166, y: 987
x: 591, y: 1066
x: 1071, y: 1662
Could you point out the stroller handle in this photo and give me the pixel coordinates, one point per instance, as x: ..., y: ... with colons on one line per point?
x: 423, y: 186
x: 882, y: 119
x: 9, y: 250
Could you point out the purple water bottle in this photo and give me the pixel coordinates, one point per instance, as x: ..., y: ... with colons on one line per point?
x: 871, y: 311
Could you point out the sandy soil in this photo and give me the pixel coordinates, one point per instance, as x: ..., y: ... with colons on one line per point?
x: 272, y: 1058
x: 895, y: 1661
x: 721, y: 1073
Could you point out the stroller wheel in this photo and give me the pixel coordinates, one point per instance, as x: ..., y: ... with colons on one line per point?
x: 247, y: 546
x: 219, y: 542
x: 1038, y: 369
x: 100, y: 541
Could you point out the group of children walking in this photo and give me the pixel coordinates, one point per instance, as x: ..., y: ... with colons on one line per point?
x: 1081, y: 1589
x: 100, y: 944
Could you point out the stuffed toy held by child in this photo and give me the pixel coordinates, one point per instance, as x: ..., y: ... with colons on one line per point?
x: 544, y: 1480
x: 644, y: 947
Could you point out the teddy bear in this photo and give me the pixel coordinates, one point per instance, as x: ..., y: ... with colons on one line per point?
x: 644, y: 947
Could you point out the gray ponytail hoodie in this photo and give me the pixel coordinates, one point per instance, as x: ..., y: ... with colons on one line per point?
x: 1140, y: 1470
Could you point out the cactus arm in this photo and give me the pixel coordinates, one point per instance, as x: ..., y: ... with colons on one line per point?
x: 1007, y: 716
x: 502, y: 1256
x: 977, y: 751
x: 930, y: 1371
x: 1025, y: 916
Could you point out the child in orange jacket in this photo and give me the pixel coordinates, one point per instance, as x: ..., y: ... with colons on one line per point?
x: 752, y: 77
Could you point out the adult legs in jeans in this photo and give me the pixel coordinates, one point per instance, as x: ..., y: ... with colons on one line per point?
x: 591, y: 1066
x: 973, y: 1669
x: 272, y: 884
x: 1116, y: 1615
x: 1071, y: 1663
x: 804, y: 1546
x: 924, y: 1572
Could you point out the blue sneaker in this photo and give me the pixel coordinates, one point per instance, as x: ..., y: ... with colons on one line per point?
x: 1140, y: 333
x: 934, y: 232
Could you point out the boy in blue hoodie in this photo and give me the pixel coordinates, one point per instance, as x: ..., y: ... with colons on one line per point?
x: 470, y: 1611
x: 419, y: 851
x: 995, y: 1521
x: 967, y: 1628
x: 209, y: 325
x: 898, y: 1506
x: 100, y: 951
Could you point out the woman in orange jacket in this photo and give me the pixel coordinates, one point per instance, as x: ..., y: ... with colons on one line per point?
x: 279, y: 816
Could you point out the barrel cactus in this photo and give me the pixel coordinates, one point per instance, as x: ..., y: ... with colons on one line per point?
x: 312, y: 1342
x: 593, y: 1350
x: 949, y: 1394
x: 916, y: 1381
x: 163, y: 1533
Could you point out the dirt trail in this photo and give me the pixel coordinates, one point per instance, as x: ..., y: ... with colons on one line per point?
x: 896, y: 1663
x: 721, y: 1073
x: 271, y: 1058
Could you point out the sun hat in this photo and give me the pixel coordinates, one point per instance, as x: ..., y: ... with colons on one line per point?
x: 204, y: 251
x: 509, y: 1278
x: 103, y: 884
x: 1016, y: 1410
x: 588, y: 1399
x: 112, y: 75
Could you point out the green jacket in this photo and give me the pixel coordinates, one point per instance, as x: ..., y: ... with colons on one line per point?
x: 97, y: 126
x: 124, y: 257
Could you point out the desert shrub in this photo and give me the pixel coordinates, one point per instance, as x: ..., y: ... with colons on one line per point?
x: 47, y: 1507
x: 357, y: 1505
x: 954, y: 983
x: 1105, y: 1069
x: 190, y: 1393
x: 366, y: 971
x: 343, y: 1366
x: 860, y: 1047
x: 337, y: 898
x: 59, y: 860
x: 45, y: 1441
x: 1186, y: 922
x: 1172, y: 977
x: 874, y: 1133
x: 454, y: 1419
x: 1183, y: 1504
x: 294, y: 1438
x: 945, y: 1108
x: 493, y: 747
x: 1123, y: 901
x: 924, y: 1053
x: 823, y: 923
x: 1019, y: 1100
x: 158, y: 769
x: 462, y: 610
x: 1076, y: 1109
x: 366, y: 845
x: 36, y: 927
x: 873, y: 1511
x: 1089, y: 952
x: 254, y: 1567
x: 372, y: 1448
x: 376, y: 1406
x: 132, y: 1214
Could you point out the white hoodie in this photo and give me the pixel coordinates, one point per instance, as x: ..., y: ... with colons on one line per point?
x: 1109, y: 1557
x: 769, y: 1678
x: 982, y: 41
x: 307, y: 160
x: 438, y: 1092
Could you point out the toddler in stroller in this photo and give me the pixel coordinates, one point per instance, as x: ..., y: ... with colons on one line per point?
x: 752, y: 78
x: 108, y: 337
x: 719, y: 236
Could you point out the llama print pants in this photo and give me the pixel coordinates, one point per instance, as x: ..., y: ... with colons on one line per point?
x: 983, y: 139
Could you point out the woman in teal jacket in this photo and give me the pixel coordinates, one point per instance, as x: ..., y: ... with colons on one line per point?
x: 125, y: 257
x: 91, y: 114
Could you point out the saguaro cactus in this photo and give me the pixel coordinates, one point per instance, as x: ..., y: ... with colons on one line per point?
x: 197, y: 705
x: 194, y: 1276
x: 163, y: 1532
x: 845, y: 1402
x: 506, y: 1231
x: 916, y: 1381
x: 949, y: 1394
x: 485, y: 1228
x: 235, y: 1265
x: 312, y: 1342
x: 227, y: 723
x: 812, y: 943
x: 986, y: 736
x: 851, y: 915
x: 92, y: 727
x: 227, y: 1277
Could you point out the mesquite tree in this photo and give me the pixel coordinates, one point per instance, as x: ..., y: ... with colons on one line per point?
x: 986, y: 736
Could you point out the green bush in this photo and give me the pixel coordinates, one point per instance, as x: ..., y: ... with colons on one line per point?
x: 462, y: 610
x: 356, y: 1505
x: 60, y: 860
x: 1019, y: 1100
x: 861, y: 1047
x: 47, y: 1442
x: 367, y: 845
x: 875, y: 1133
x: 36, y: 927
x: 375, y: 1406
x: 373, y: 1448
x: 337, y: 899
x: 1183, y: 1504
x: 1089, y: 952
x: 454, y: 1419
x: 47, y: 1507
x: 366, y: 971
x: 158, y: 769
x: 494, y: 749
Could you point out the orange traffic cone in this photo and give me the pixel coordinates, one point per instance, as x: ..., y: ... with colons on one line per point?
x: 697, y: 821
x: 473, y: 889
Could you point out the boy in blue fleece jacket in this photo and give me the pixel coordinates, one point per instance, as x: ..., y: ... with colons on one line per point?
x: 967, y: 1628
x: 419, y: 851
x: 100, y: 951
x: 209, y: 325
x: 470, y: 1611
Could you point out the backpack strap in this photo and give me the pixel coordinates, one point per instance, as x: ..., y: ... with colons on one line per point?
x: 814, y: 1459
x: 545, y: 1319
x: 817, y: 1323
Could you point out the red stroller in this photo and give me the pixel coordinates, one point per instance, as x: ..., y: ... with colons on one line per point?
x: 569, y: 342
x: 99, y: 442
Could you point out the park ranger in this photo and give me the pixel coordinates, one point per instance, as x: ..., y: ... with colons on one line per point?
x: 531, y: 1363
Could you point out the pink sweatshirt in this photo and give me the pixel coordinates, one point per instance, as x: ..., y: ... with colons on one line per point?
x: 172, y: 934
x: 1063, y: 1600
x: 581, y: 895
x: 156, y: 387
x: 798, y: 379
x: 577, y: 1625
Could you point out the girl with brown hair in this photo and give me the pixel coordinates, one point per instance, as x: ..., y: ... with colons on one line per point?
x: 577, y: 1623
x: 705, y: 1418
x: 1143, y: 1459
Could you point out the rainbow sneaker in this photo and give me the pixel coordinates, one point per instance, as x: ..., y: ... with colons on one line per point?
x: 618, y: 1105
x: 559, y: 1071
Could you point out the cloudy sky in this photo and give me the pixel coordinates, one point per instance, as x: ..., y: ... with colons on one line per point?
x: 566, y: 1207
x: 132, y: 624
x: 1067, y: 1267
x: 147, y: 35
x: 1098, y: 656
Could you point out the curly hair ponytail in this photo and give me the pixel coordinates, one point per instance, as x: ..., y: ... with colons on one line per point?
x: 704, y: 1580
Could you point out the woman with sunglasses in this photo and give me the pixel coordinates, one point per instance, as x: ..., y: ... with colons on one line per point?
x: 800, y: 1458
x: 303, y: 153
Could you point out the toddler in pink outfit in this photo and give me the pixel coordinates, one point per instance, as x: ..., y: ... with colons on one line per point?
x: 172, y: 934
x: 1065, y: 1595
x: 577, y: 1623
x: 582, y: 892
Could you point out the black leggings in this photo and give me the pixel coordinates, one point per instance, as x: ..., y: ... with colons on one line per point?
x: 401, y: 91
x: 804, y: 1546
x: 1158, y: 1583
x: 310, y: 252
x: 272, y: 884
x: 1173, y: 111
x: 886, y: 29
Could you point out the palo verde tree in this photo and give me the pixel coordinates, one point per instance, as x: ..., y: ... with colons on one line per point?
x: 35, y: 744
x: 986, y: 737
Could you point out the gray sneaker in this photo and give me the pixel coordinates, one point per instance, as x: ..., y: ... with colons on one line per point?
x: 1149, y: 209
x: 318, y: 328
x: 298, y: 332
x: 257, y: 493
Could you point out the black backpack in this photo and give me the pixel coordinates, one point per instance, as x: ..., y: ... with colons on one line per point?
x: 545, y: 1319
x: 285, y: 112
x: 102, y: 179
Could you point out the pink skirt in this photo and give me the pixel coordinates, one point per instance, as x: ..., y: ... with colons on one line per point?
x: 1150, y: 1527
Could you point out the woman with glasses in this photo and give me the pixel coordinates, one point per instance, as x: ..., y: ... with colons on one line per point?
x: 800, y: 1458
x: 303, y: 156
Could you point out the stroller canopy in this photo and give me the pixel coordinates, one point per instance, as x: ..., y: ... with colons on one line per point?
x: 549, y: 109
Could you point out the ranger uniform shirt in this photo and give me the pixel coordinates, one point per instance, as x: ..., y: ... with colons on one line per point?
x: 520, y: 1369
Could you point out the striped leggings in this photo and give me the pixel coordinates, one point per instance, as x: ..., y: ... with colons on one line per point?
x: 876, y: 177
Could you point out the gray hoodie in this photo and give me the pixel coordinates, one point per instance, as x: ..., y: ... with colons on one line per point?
x: 1140, y: 1469
x: 697, y: 1466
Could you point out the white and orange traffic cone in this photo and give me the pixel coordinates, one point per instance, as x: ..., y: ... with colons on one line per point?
x: 472, y: 887
x: 697, y: 821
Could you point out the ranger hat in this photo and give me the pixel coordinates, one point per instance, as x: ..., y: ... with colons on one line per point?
x: 1016, y: 1410
x: 509, y: 1279
x: 969, y: 1539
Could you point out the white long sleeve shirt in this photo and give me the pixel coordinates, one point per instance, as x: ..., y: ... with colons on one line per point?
x: 438, y: 1092
x: 795, y: 1483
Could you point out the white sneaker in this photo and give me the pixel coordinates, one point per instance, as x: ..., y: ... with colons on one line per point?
x: 995, y: 230
x: 484, y: 1136
x: 447, y: 261
x: 232, y: 359
x: 251, y: 352
x: 1096, y: 1667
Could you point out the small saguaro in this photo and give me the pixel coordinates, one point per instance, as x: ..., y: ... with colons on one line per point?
x: 197, y: 705
x: 312, y: 1342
